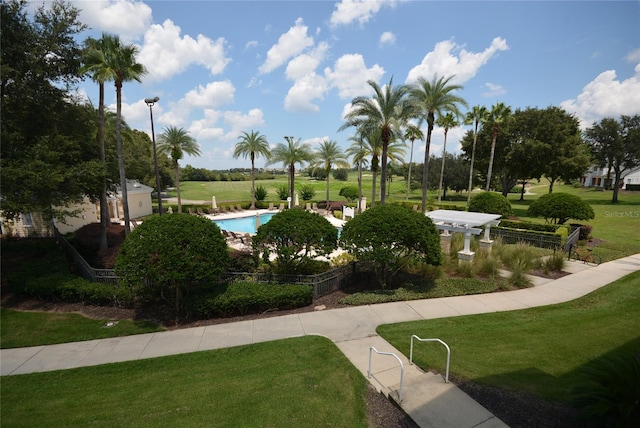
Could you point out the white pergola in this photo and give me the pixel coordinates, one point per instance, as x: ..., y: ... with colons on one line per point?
x: 469, y: 223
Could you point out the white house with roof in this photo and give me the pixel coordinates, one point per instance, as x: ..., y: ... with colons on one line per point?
x: 34, y: 225
x: 597, y: 177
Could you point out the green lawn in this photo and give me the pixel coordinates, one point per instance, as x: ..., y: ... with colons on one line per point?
x: 537, y: 350
x: 20, y: 329
x: 302, y: 382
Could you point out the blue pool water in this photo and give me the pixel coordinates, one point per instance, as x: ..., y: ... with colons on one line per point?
x: 243, y: 224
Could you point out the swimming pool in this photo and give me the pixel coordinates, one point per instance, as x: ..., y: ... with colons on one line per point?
x: 243, y: 224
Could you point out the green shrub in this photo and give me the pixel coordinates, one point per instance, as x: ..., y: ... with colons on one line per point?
x: 608, y: 392
x: 560, y: 207
x: 307, y: 192
x: 283, y: 192
x: 242, y: 298
x: 490, y: 203
x: 342, y: 259
x: 173, y: 254
x: 350, y: 193
x: 295, y: 236
x: 261, y: 193
x: 341, y: 174
x: 388, y: 235
x: 553, y: 263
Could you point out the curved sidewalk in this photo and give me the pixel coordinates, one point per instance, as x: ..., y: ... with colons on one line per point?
x: 353, y: 330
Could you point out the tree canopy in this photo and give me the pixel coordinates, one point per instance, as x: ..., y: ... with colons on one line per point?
x: 558, y: 208
x: 390, y: 235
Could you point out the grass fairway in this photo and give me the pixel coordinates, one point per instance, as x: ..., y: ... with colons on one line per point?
x: 20, y: 329
x: 536, y: 350
x: 302, y: 382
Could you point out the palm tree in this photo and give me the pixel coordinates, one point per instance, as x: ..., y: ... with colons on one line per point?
x: 290, y: 154
x: 447, y: 122
x: 328, y: 155
x: 412, y: 133
x: 387, y: 110
x: 117, y: 62
x: 477, y: 116
x: 94, y: 63
x: 434, y: 97
x: 252, y: 145
x: 175, y: 142
x: 358, y: 154
x: 499, y: 114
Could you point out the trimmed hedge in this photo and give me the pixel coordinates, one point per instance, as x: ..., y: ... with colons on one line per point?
x: 243, y: 298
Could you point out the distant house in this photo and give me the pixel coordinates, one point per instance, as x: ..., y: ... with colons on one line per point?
x: 34, y: 225
x: 597, y: 177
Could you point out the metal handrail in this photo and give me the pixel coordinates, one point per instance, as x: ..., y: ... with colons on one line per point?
x: 372, y: 348
x: 446, y: 378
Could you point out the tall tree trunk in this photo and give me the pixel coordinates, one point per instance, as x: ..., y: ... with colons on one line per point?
x: 524, y: 183
x: 104, y: 204
x: 409, y: 174
x: 444, y: 155
x: 253, y: 182
x: 123, y: 177
x: 177, y: 167
x: 473, y: 157
x: 383, y: 170
x: 493, y: 149
x: 359, y: 187
x: 328, y: 172
x: 425, y: 168
x: 614, y: 198
x: 373, y: 191
x: 292, y: 172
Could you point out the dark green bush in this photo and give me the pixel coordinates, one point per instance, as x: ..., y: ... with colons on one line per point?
x: 341, y: 174
x: 295, y: 236
x: 490, y: 203
x: 261, y: 193
x: 307, y: 192
x: 242, y: 298
x: 173, y: 254
x: 349, y: 192
x: 389, y: 236
x: 283, y: 192
x: 529, y: 226
x: 241, y: 261
x: 560, y: 207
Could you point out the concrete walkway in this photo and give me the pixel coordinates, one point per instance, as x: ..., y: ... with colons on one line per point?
x: 425, y: 396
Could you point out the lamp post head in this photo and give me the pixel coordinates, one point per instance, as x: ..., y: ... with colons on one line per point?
x: 151, y: 101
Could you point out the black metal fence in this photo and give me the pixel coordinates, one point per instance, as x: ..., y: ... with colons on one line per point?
x: 535, y: 239
x: 322, y: 283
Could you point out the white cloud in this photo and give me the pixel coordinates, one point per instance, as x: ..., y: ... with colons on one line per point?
x: 212, y: 95
x: 128, y: 19
x: 306, y: 63
x: 605, y: 96
x: 289, y: 45
x: 493, y: 90
x: 208, y: 128
x: 166, y: 54
x: 251, y: 44
x: 443, y: 61
x: 387, y: 38
x: 350, y: 75
x: 633, y: 56
x: 362, y: 11
x: 304, y: 91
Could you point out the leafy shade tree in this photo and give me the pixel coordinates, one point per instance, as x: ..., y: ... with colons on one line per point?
x: 431, y: 98
x: 412, y: 133
x: 290, y: 154
x: 48, y: 157
x: 476, y: 117
x: 454, y: 177
x: 447, y: 122
x: 175, y: 142
x: 389, y: 236
x: 296, y: 237
x: 328, y: 155
x: 252, y: 144
x: 499, y: 115
x: 174, y: 254
x: 490, y: 203
x: 616, y: 145
x: 350, y: 193
x: 558, y: 208
x: 385, y: 113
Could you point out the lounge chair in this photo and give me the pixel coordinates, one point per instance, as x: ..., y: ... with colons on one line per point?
x: 314, y: 208
x: 191, y: 211
x: 308, y: 207
x: 239, y: 208
x: 200, y: 212
x: 415, y: 207
x: 271, y: 207
x: 223, y: 210
x: 281, y: 207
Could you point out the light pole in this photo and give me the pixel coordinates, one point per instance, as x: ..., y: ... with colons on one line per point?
x: 150, y: 102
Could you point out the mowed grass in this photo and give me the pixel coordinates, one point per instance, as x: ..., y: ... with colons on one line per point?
x: 536, y: 350
x: 302, y: 382
x: 20, y: 329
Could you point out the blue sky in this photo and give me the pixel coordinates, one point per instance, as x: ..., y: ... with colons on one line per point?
x: 292, y: 67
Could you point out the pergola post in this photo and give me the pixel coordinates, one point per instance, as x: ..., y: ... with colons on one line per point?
x: 466, y: 255
x: 445, y: 242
